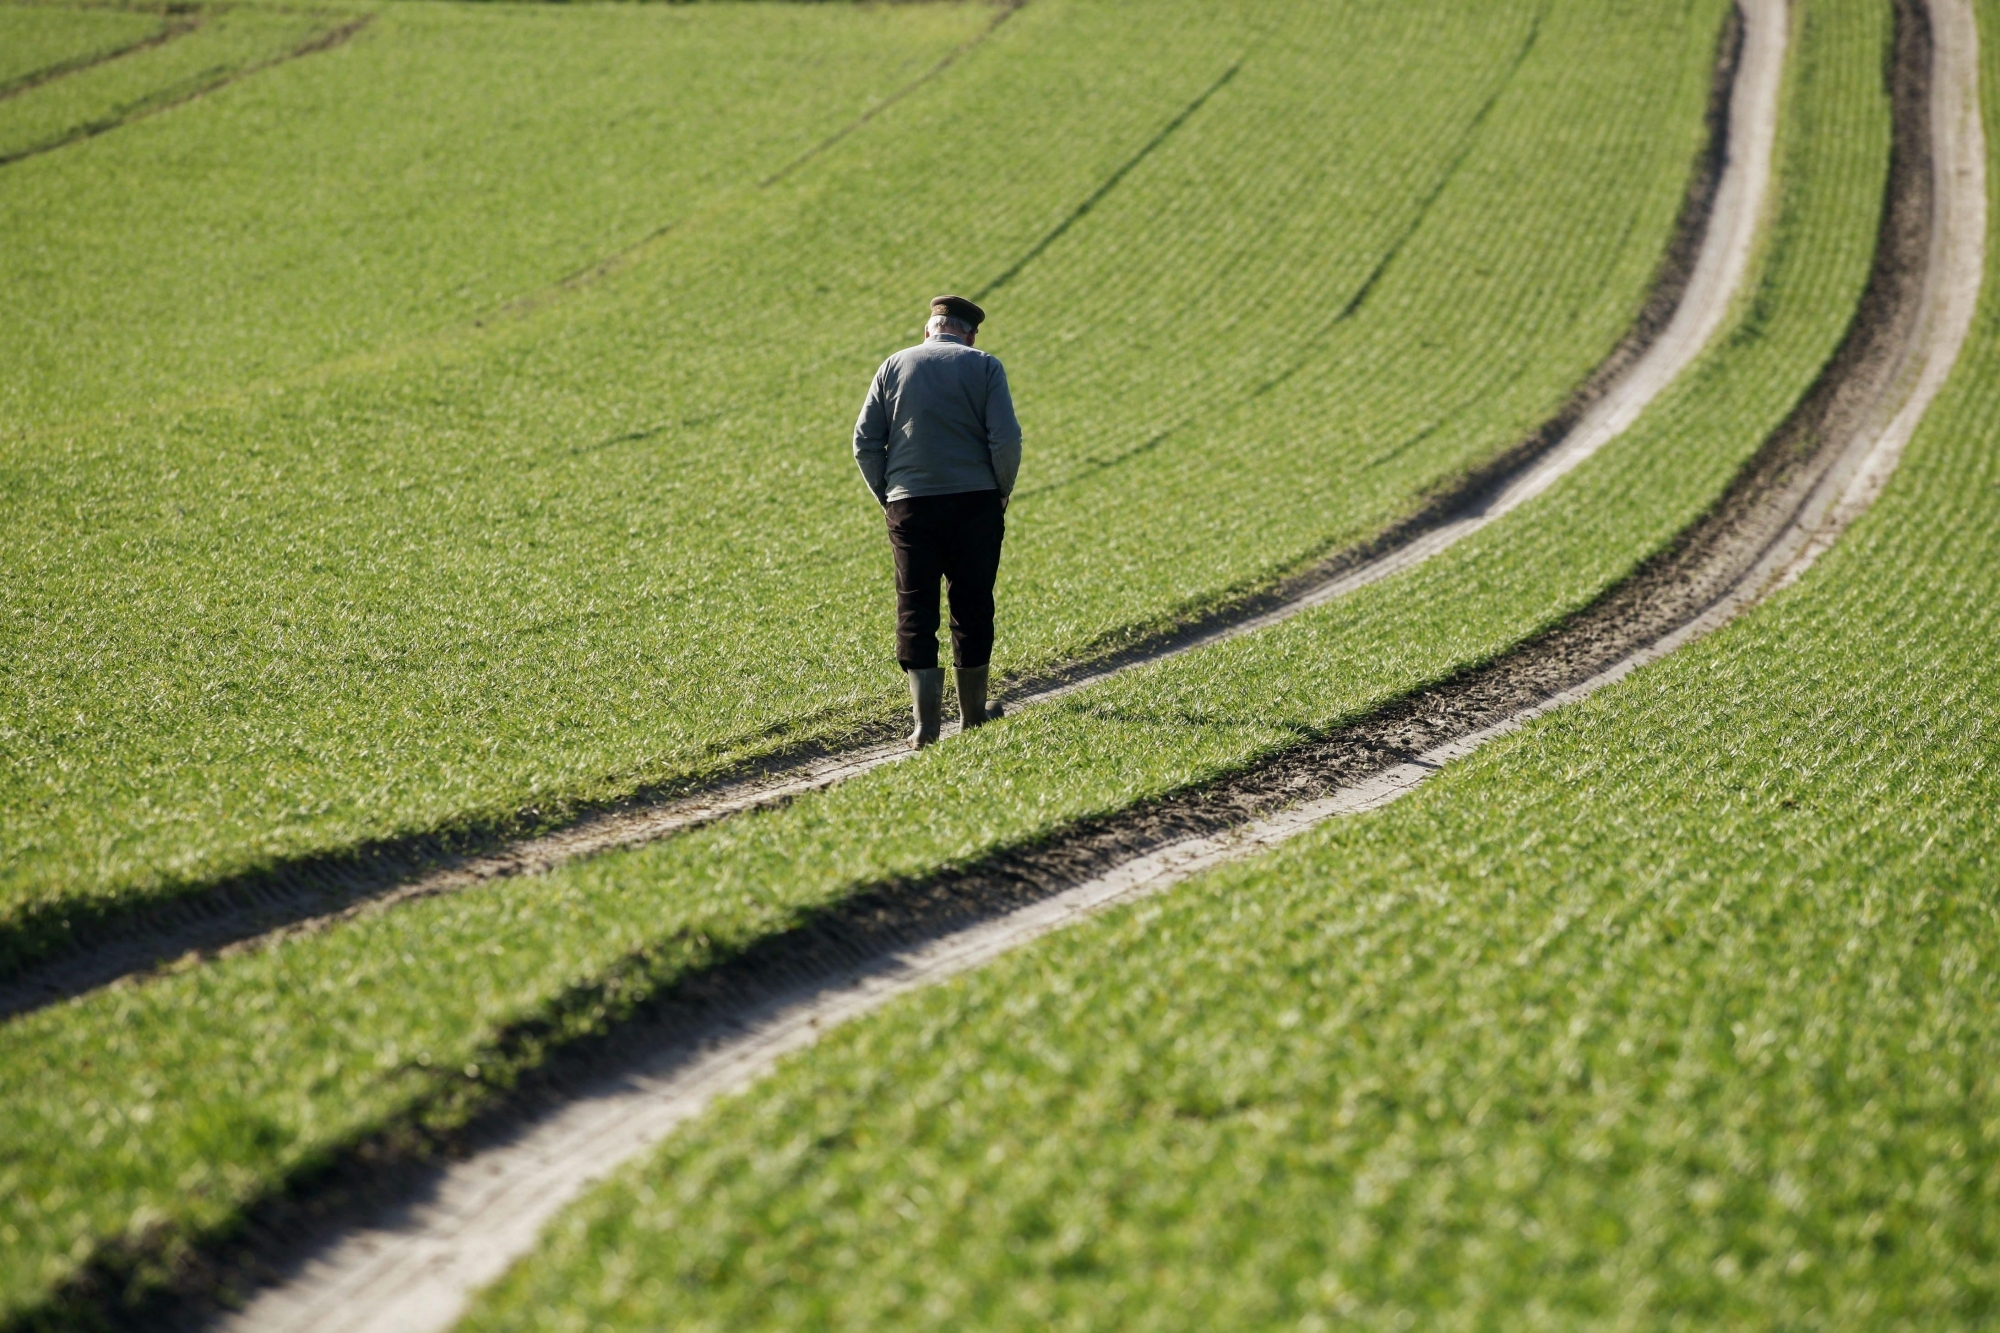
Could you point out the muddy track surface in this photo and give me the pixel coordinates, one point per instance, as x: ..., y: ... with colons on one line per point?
x: 72, y: 952
x: 395, y: 1234
x: 182, y: 95
x: 179, y: 23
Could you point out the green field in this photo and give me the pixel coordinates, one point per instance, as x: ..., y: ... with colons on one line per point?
x: 339, y: 205
x: 250, y: 1068
x: 1674, y: 1010
x: 440, y: 422
x: 38, y: 45
x: 449, y: 540
x: 202, y: 51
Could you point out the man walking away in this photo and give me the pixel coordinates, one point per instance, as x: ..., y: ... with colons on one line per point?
x: 939, y: 447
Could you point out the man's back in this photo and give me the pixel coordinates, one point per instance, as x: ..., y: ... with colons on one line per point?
x: 939, y: 447
x: 941, y: 421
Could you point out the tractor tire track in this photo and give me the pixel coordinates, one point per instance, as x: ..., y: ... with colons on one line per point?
x: 453, y: 1228
x: 78, y: 948
x: 1110, y: 183
x: 1443, y: 182
x: 201, y: 86
x: 1669, y: 282
x: 627, y: 255
x: 179, y: 24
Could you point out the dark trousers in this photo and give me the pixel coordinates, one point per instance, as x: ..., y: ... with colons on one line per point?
x: 956, y: 538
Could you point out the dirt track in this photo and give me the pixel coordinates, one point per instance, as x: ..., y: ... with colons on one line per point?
x: 452, y: 1229
x: 1698, y: 279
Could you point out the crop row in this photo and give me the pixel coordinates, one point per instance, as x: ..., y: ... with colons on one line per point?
x: 1677, y: 1008
x: 196, y: 1091
x: 439, y: 164
x: 38, y: 42
x: 618, y: 540
x: 216, y: 47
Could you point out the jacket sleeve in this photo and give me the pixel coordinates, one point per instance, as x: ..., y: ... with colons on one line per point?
x: 871, y: 441
x: 1003, y: 430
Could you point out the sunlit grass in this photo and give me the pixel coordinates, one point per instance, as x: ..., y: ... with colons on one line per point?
x: 248, y: 1067
x: 617, y: 539
x: 1676, y: 1009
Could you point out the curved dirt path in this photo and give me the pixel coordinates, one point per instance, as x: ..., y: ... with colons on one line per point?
x: 259, y: 911
x: 413, y: 1268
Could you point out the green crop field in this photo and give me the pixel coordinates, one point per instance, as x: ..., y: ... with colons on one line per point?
x: 1673, y: 1010
x: 339, y: 205
x: 201, y: 52
x: 321, y: 539
x: 37, y: 45
x: 434, y: 417
x: 208, y: 1087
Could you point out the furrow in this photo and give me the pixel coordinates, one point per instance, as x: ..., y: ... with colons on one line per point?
x: 624, y: 257
x: 323, y: 41
x: 1700, y: 275
x: 411, y: 1266
x: 178, y: 26
x: 1110, y: 183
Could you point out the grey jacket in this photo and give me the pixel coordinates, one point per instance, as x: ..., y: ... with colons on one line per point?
x: 938, y: 421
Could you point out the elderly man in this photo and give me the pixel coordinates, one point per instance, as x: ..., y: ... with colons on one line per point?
x: 938, y: 445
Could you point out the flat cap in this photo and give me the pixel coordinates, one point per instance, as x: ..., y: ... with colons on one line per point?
x: 958, y: 308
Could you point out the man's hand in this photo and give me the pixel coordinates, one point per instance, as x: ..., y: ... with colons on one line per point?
x: 1003, y: 502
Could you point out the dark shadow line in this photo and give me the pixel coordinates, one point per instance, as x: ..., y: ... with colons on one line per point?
x: 604, y: 267
x: 1354, y: 303
x: 1397, y: 451
x: 631, y: 437
x: 49, y: 74
x: 202, y: 85
x: 1008, y: 9
x: 1465, y: 146
x: 1110, y: 184
x: 648, y: 432
x: 1091, y: 467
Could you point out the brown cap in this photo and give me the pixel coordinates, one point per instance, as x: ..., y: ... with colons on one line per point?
x: 958, y: 308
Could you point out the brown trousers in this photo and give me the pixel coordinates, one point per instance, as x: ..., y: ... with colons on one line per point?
x: 956, y: 538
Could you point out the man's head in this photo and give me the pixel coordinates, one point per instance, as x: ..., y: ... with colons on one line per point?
x: 956, y: 316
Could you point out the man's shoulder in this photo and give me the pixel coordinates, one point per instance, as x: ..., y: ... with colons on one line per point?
x: 940, y: 349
